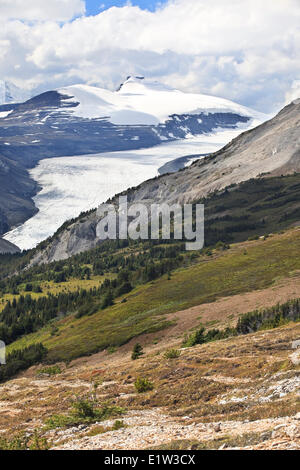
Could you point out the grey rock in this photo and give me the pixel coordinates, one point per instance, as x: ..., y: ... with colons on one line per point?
x: 296, y: 344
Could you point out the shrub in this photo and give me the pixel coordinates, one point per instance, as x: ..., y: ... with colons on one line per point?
x: 124, y: 289
x: 25, y: 442
x: 54, y: 330
x: 22, y: 359
x: 200, y: 337
x: 143, y: 385
x: 118, y: 425
x: 222, y: 246
x: 172, y: 354
x: 137, y: 352
x: 84, y: 411
x: 37, y: 289
x: 60, y: 277
x: 54, y: 370
x: 108, y: 301
x: 195, y: 338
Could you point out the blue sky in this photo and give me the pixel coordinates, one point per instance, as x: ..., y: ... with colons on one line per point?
x: 95, y: 6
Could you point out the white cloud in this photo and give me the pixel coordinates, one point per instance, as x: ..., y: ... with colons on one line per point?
x: 41, y: 10
x: 294, y: 92
x: 246, y: 50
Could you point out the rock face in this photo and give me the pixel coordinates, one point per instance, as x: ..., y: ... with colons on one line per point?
x: 16, y: 192
x: 82, y: 120
x: 7, y: 247
x: 272, y: 148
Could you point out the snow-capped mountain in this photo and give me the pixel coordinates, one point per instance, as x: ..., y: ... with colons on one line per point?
x: 81, y: 119
x: 9, y: 93
x: 143, y: 102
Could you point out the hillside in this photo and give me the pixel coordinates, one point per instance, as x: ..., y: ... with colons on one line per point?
x: 194, y: 280
x: 239, y: 393
x: 218, y: 368
x: 6, y: 247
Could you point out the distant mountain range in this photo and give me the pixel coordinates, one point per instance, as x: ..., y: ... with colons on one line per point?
x: 9, y: 93
x: 82, y: 120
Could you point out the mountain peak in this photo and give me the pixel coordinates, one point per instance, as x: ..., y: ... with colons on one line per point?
x: 9, y: 93
x: 131, y: 79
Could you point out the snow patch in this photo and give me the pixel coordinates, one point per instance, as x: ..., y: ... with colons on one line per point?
x: 4, y: 114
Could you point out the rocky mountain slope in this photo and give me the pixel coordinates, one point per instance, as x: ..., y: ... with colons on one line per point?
x: 272, y: 149
x: 82, y: 120
x: 16, y: 192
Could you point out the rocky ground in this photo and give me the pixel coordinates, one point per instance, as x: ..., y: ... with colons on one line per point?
x: 240, y: 393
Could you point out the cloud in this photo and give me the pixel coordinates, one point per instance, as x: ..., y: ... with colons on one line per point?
x: 41, y: 10
x: 245, y: 50
x: 294, y: 92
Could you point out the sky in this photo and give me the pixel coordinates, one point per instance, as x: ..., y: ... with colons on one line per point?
x: 244, y: 50
x: 93, y: 7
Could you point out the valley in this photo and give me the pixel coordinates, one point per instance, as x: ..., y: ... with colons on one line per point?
x: 82, y: 120
x: 71, y: 185
x: 148, y: 345
x: 150, y: 229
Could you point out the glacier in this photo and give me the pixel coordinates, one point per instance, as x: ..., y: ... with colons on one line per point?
x: 71, y: 185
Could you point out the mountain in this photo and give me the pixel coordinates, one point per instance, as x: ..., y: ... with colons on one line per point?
x: 272, y: 149
x: 83, y: 120
x: 9, y: 93
x: 16, y: 192
x: 7, y: 247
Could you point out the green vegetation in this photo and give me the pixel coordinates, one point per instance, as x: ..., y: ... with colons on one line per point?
x: 265, y: 319
x: 172, y: 354
x: 52, y: 370
x: 143, y: 385
x: 21, y: 359
x: 123, y: 289
x: 25, y: 442
x: 84, y: 411
x: 118, y: 425
x: 269, y: 318
x: 200, y: 337
x: 27, y: 314
x: 251, y: 209
x: 137, y: 352
x: 203, y: 279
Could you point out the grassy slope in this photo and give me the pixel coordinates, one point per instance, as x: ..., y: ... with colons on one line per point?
x: 247, y: 266
x: 50, y: 287
x: 255, y: 207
